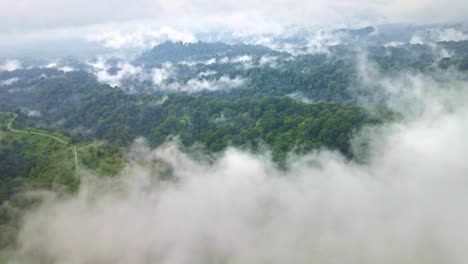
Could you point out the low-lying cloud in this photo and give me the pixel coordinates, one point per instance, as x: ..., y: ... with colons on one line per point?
x: 59, y: 66
x: 434, y: 35
x: 140, y: 37
x: 8, y: 81
x: 123, y: 70
x: 10, y: 65
x: 160, y: 75
x: 200, y: 84
x: 224, y: 82
x: 130, y: 77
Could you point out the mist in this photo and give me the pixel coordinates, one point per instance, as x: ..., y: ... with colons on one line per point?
x: 10, y: 65
x: 404, y: 201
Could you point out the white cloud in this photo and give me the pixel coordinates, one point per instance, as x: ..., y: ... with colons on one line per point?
x: 162, y: 74
x: 245, y: 60
x: 73, y: 18
x: 139, y: 37
x: 320, y: 41
x: 66, y: 69
x: 10, y: 65
x: 59, y: 67
x: 202, y: 84
x: 224, y: 82
x: 8, y: 81
x: 242, y: 59
x: 210, y: 61
x: 268, y: 60
x: 394, y: 44
x: 34, y: 113
x: 433, y: 35
x: 206, y: 73
x: 160, y: 77
x: 417, y: 39
x: 51, y: 65
x: 224, y: 60
x: 124, y: 70
x: 449, y: 34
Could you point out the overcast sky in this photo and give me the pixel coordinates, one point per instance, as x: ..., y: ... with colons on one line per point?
x: 24, y: 19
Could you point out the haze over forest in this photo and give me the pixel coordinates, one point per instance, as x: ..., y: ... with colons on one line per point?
x: 227, y: 131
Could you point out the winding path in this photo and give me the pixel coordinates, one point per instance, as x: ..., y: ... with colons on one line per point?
x: 44, y: 135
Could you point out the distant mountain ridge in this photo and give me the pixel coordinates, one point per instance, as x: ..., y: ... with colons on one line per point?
x: 179, y: 51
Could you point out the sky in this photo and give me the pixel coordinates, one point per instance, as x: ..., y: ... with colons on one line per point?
x: 28, y: 20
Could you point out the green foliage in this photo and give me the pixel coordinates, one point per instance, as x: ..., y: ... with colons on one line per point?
x: 178, y: 51
x: 104, y: 159
x: 284, y: 124
x: 460, y: 63
x: 102, y: 121
x: 458, y: 48
x: 31, y: 161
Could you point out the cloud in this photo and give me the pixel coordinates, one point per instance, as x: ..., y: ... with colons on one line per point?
x: 10, y: 65
x: 58, y: 66
x: 200, y: 84
x: 123, y: 70
x: 141, y: 37
x: 206, y: 73
x: 245, y: 60
x: 160, y: 75
x: 320, y: 41
x: 268, y: 60
x: 131, y: 78
x: 224, y: 82
x: 436, y: 34
x: 210, y: 61
x: 412, y: 92
x: 416, y: 39
x: 449, y: 34
x: 99, y: 22
x: 8, y: 81
x: 34, y: 113
x: 51, y: 65
x: 395, y: 43
x: 242, y: 59
x: 66, y: 69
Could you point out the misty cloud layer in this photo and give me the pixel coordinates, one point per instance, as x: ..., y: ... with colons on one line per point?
x: 141, y: 37
x: 121, y: 23
x: 10, y: 65
x: 126, y: 75
x: 406, y: 203
x: 74, y: 13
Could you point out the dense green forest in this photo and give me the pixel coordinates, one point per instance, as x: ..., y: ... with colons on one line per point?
x: 293, y: 104
x: 178, y: 51
x: 298, y: 103
x: 103, y: 121
x: 89, y: 109
x: 31, y: 158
